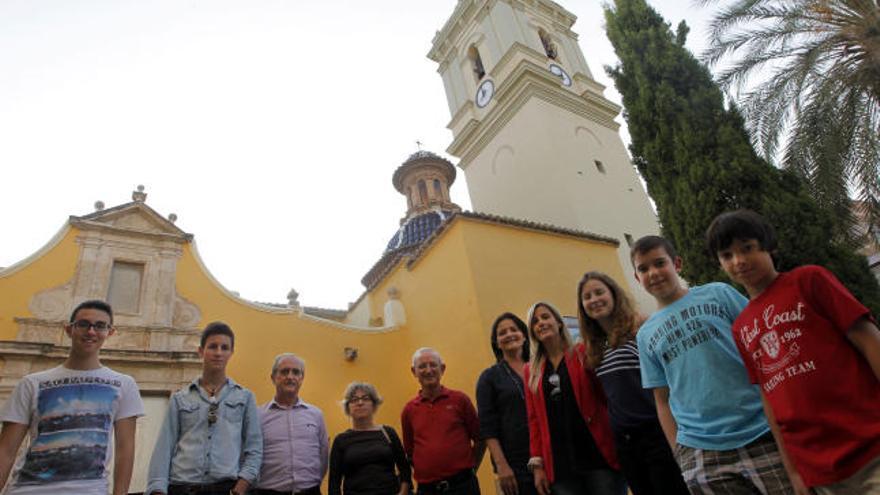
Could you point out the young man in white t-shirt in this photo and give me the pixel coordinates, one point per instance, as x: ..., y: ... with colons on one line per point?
x: 70, y: 413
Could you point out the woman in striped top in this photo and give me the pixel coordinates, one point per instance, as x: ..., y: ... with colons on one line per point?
x: 608, y: 324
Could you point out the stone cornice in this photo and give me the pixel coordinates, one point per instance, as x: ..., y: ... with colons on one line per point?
x: 529, y: 80
x: 104, y: 217
x: 91, y: 225
x: 13, y: 347
x: 346, y: 327
x: 443, y: 40
x: 467, y: 11
x: 121, y: 328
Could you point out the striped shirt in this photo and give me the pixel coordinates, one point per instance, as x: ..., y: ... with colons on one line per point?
x: 630, y: 406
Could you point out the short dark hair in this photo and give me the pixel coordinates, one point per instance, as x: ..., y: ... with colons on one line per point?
x: 649, y: 242
x: 93, y: 304
x: 520, y: 325
x: 217, y: 328
x: 742, y: 225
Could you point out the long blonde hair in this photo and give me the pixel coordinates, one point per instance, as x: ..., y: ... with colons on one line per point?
x: 624, y: 320
x: 539, y: 356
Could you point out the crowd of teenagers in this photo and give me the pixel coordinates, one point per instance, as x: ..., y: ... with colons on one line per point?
x: 713, y: 393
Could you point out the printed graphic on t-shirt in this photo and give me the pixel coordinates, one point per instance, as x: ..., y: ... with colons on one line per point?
x: 73, y: 432
x: 777, y: 352
x: 684, y: 330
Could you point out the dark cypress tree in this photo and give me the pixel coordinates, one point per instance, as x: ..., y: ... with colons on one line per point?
x: 698, y: 161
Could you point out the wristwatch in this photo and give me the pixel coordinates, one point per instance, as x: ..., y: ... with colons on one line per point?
x: 534, y: 463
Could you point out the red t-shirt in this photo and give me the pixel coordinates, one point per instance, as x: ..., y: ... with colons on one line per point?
x: 438, y: 434
x: 823, y: 393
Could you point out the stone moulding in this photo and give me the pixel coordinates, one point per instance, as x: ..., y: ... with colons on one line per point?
x: 528, y: 81
x: 448, y: 36
x: 127, y: 338
x: 348, y: 328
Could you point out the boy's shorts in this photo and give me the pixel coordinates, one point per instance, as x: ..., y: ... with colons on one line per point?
x: 866, y: 481
x: 753, y: 467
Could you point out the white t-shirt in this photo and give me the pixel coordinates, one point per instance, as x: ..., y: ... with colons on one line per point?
x: 70, y: 414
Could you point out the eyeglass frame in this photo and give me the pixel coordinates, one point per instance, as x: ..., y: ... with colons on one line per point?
x: 86, y: 325
x: 359, y: 399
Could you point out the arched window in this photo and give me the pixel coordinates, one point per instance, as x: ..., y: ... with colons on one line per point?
x: 423, y: 192
x: 438, y: 191
x: 549, y: 46
x: 476, y: 63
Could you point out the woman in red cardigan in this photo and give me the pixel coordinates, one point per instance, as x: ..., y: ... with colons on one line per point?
x: 570, y: 437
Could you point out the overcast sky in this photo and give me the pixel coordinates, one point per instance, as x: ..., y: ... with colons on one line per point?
x: 270, y: 127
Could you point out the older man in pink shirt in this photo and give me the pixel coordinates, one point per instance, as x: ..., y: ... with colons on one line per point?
x: 295, y: 442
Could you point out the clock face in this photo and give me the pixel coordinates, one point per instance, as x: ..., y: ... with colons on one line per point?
x: 484, y: 93
x: 561, y: 74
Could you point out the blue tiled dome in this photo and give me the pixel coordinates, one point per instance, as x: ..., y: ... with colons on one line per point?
x: 417, y: 229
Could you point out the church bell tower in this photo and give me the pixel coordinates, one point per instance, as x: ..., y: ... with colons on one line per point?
x: 535, y: 136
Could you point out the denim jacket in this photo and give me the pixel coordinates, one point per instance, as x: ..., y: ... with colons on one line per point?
x: 196, y: 446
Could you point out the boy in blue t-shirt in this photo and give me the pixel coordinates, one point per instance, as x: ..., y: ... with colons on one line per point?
x: 711, y: 414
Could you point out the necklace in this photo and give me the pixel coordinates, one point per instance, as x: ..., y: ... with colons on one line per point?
x: 212, y: 392
x: 517, y: 381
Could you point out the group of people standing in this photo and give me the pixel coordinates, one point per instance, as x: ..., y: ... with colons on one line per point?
x: 572, y: 418
x: 712, y: 393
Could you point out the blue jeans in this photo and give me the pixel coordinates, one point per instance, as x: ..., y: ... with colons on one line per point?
x: 595, y: 482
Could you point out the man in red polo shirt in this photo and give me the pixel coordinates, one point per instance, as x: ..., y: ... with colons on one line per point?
x: 441, y: 432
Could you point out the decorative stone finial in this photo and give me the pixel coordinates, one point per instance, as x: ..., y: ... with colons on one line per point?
x: 393, y: 293
x: 293, y: 298
x: 140, y: 196
x: 172, y: 217
x: 99, y: 205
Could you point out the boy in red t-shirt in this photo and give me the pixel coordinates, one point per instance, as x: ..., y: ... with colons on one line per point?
x: 815, y: 352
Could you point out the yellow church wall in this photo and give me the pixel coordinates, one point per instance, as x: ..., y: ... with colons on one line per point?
x: 513, y: 268
x: 437, y: 292
x: 51, y: 266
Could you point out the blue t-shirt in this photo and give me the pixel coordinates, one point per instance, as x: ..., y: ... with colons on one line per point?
x: 688, y: 346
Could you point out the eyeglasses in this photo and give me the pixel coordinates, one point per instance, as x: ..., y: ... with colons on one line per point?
x: 289, y: 371
x: 360, y: 399
x: 85, y: 325
x: 556, y: 391
x: 212, y: 413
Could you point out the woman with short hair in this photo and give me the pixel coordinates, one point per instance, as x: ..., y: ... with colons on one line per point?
x: 363, y: 458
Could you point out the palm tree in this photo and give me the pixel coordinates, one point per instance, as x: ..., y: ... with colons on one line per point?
x: 806, y: 74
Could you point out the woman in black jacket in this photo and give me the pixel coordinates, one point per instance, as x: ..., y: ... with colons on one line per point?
x: 502, y: 408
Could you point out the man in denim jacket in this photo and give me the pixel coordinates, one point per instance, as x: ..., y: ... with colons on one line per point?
x: 211, y: 442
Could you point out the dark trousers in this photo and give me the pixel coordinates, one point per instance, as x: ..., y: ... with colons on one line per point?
x: 526, y: 485
x: 315, y: 490
x: 219, y: 488
x: 595, y: 482
x: 647, y: 462
x: 464, y: 483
